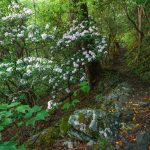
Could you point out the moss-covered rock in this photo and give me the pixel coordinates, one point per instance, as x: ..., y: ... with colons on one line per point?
x: 93, y: 124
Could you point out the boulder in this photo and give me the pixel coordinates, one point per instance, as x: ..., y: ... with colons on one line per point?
x: 90, y: 124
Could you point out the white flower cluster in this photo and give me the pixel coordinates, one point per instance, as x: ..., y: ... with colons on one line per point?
x: 91, y: 44
x: 30, y: 34
x: 82, y: 31
x: 6, y: 69
x: 31, y: 67
x: 34, y: 71
x: 72, y: 70
x: 51, y: 104
x: 20, y: 32
x: 16, y: 12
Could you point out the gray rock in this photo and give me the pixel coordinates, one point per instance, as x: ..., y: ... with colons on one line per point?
x: 143, y: 138
x: 68, y: 144
x: 89, y: 125
x: 120, y: 93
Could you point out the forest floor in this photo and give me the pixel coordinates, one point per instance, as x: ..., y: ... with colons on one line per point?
x: 132, y: 136
x: 129, y: 137
x: 137, y: 134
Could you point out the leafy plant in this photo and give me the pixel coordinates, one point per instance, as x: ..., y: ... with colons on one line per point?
x: 99, y: 98
x: 84, y: 87
x: 11, y: 146
x: 19, y: 115
x: 71, y: 104
x: 64, y: 125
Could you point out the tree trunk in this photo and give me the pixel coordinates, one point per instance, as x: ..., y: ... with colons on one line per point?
x: 140, y: 16
x: 80, y: 11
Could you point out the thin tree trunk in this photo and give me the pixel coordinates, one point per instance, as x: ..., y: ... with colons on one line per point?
x: 140, y: 16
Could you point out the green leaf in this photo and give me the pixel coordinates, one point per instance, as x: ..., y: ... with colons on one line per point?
x: 6, y: 114
x: 13, y: 104
x: 22, y: 147
x: 1, y: 128
x: 84, y: 87
x: 23, y: 108
x: 36, y: 108
x: 20, y: 123
x: 75, y: 101
x: 8, y: 146
x: 3, y: 106
x: 75, y: 93
x: 66, y: 105
x: 31, y: 121
x: 41, y: 115
x: 28, y: 115
x: 33, y: 110
x: 7, y: 121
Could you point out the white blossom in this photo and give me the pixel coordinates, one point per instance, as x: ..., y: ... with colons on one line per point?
x: 20, y: 35
x: 23, y: 81
x: 9, y: 70
x: 44, y: 36
x: 47, y: 27
x: 51, y: 104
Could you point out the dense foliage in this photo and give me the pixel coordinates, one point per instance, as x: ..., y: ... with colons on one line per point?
x: 46, y: 48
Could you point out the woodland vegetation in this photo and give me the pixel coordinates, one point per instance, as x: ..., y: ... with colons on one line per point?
x: 75, y: 74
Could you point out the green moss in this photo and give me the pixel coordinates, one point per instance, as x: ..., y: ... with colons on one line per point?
x: 64, y: 125
x: 103, y: 144
x: 81, y: 118
x: 48, y: 137
x: 44, y: 139
x: 146, y: 76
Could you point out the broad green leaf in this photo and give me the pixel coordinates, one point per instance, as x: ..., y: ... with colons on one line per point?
x: 75, y: 101
x: 32, y: 110
x: 22, y: 147
x: 7, y: 121
x: 20, y: 123
x: 66, y: 105
x: 75, y: 93
x: 23, y: 108
x: 3, y: 106
x: 6, y: 113
x: 41, y: 115
x: 31, y: 121
x: 28, y: 115
x: 36, y: 108
x: 1, y: 128
x: 13, y: 104
x: 8, y: 146
x: 84, y: 87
